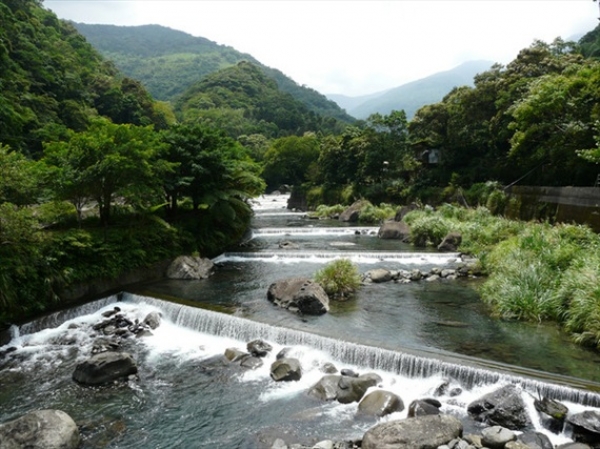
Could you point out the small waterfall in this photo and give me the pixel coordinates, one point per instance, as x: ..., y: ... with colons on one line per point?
x: 406, y: 364
x: 309, y: 231
x: 412, y: 258
x: 57, y: 318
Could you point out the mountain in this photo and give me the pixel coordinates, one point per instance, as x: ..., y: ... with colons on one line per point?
x: 411, y: 96
x: 168, y: 61
x: 349, y: 103
x: 243, y: 100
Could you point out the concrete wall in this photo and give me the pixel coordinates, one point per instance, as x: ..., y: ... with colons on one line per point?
x: 559, y: 204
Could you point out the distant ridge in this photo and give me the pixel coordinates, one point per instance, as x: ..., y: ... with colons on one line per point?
x: 412, y: 96
x: 169, y: 61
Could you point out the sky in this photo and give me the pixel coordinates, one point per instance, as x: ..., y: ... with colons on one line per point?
x: 354, y: 47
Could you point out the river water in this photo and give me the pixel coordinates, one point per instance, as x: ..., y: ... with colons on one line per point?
x: 414, y: 336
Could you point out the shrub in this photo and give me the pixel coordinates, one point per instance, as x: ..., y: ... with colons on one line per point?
x: 339, y: 278
x: 496, y: 202
x: 373, y: 214
x: 429, y: 230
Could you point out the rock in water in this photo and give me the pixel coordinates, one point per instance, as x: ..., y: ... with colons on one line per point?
x: 503, y: 407
x: 586, y: 427
x: 188, y: 267
x: 380, y: 403
x: 42, y: 429
x: 104, y: 368
x: 394, y: 230
x: 300, y: 294
x: 152, y: 320
x: 423, y: 432
x: 286, y: 369
x: 451, y: 242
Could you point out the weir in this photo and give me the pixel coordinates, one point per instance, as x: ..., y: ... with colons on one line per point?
x: 359, y: 257
x: 276, y: 232
x: 408, y: 364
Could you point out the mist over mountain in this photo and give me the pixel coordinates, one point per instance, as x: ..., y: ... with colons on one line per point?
x: 412, y: 96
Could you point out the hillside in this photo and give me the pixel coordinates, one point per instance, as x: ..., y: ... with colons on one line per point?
x: 412, y: 96
x: 53, y: 80
x: 241, y: 99
x: 168, y: 61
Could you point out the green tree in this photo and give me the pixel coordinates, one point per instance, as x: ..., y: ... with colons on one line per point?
x: 289, y: 160
x: 106, y: 162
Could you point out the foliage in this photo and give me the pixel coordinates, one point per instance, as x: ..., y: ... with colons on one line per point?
x: 427, y: 229
x: 241, y: 99
x: 339, y: 278
x: 289, y: 160
x: 167, y: 62
x: 373, y: 214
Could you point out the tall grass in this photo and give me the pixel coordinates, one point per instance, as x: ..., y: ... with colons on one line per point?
x: 537, y: 272
x: 340, y: 278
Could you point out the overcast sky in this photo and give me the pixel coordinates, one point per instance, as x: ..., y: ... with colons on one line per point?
x: 354, y: 47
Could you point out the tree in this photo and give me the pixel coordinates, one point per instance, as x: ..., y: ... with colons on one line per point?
x: 106, y: 162
x: 289, y: 160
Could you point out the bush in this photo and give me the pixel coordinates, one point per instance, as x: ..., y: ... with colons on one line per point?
x: 339, y: 278
x: 429, y: 230
x: 373, y: 214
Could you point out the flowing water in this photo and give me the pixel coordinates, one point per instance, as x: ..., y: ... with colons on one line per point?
x: 414, y: 336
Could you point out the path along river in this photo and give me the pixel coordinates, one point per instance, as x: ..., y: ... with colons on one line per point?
x: 414, y: 335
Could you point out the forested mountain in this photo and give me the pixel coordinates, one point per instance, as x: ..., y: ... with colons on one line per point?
x: 167, y: 62
x: 411, y: 96
x: 53, y: 80
x: 242, y: 100
x: 590, y: 43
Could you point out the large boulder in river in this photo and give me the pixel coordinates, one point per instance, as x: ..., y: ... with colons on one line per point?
x: 380, y: 403
x: 344, y: 389
x: 286, y: 369
x: 299, y: 294
x: 503, y: 407
x: 104, y: 368
x: 397, y: 230
x: 189, y: 267
x: 401, y: 213
x: 352, y: 214
x: 422, y: 432
x: 586, y: 427
x: 41, y: 429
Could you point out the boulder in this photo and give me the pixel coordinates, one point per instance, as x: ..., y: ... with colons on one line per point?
x: 535, y: 440
x: 496, y: 437
x: 379, y: 275
x: 152, y: 320
x: 405, y: 210
x: 288, y: 245
x: 451, y: 242
x: 503, y: 407
x: 259, y: 348
x: 190, y: 267
x: 552, y: 414
x: 573, y: 446
x: 352, y: 214
x: 301, y: 294
x: 286, y: 369
x: 105, y: 367
x: 250, y: 362
x: 586, y: 427
x: 518, y: 445
x: 41, y: 429
x: 394, y: 230
x: 344, y: 389
x: 234, y: 354
x: 423, y: 432
x: 422, y: 407
x: 380, y: 403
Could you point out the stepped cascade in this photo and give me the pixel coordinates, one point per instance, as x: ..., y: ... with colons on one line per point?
x: 416, y: 337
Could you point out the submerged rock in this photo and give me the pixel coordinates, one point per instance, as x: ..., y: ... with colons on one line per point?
x: 41, y: 429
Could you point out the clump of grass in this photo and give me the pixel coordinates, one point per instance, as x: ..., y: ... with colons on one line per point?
x: 376, y: 214
x: 427, y: 228
x: 324, y: 211
x: 340, y: 278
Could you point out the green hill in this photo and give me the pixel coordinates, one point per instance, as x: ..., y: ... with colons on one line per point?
x: 168, y: 61
x: 241, y: 99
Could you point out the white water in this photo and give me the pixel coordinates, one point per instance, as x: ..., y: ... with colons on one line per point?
x: 188, y: 333
x: 310, y: 231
